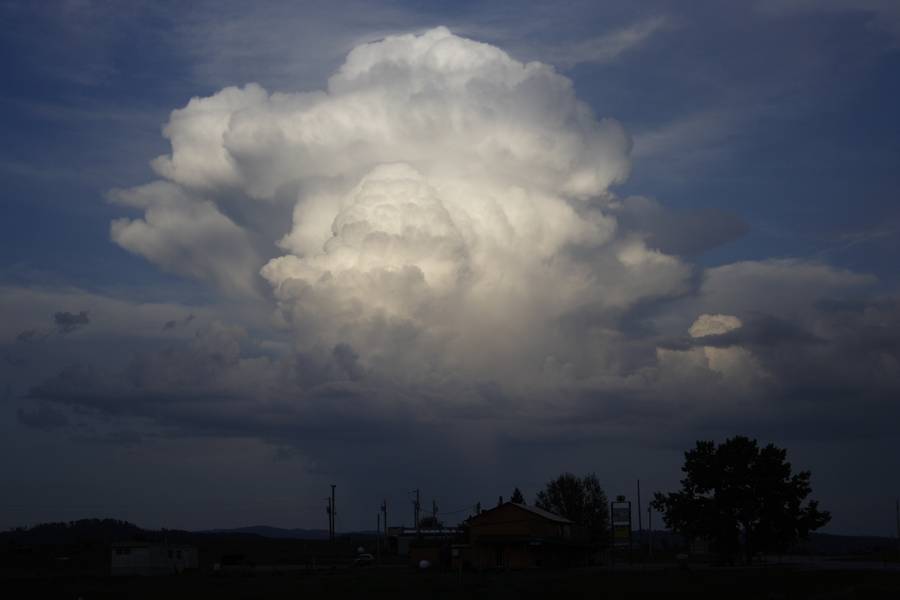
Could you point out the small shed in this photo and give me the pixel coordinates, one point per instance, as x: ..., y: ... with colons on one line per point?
x: 151, y: 558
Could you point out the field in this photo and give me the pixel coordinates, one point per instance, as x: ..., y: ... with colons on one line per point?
x: 405, y: 582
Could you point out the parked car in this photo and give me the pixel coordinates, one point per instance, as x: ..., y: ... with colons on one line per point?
x: 364, y: 559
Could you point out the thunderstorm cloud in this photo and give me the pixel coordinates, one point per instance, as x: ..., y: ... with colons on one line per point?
x: 435, y: 240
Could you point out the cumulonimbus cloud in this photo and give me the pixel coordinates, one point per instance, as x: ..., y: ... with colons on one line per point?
x: 452, y: 208
x: 439, y: 236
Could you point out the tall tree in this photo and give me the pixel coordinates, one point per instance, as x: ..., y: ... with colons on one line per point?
x: 579, y: 499
x: 739, y: 495
x: 517, y: 497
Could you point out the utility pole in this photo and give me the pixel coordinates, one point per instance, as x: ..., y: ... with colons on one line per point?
x: 434, y: 511
x: 330, y: 521
x: 640, y: 523
x: 650, y: 533
x: 333, y: 513
x: 416, y: 507
x: 384, y: 512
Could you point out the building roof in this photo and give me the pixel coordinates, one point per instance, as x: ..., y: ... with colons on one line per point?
x: 131, y: 544
x: 546, y: 514
x: 422, y: 532
x: 148, y: 544
x: 529, y: 540
x: 541, y: 512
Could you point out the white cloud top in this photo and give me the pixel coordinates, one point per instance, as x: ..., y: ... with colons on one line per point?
x: 714, y: 325
x: 437, y: 101
x: 439, y: 228
x: 450, y: 210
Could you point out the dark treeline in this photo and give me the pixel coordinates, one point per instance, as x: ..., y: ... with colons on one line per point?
x: 76, y: 532
x: 737, y: 497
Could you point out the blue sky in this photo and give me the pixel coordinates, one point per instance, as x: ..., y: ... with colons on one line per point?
x: 763, y: 132
x: 784, y: 119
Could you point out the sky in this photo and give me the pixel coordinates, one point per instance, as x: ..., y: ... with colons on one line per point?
x: 249, y: 250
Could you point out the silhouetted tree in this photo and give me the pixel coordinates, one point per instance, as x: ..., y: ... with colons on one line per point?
x: 579, y: 499
x: 74, y: 532
x: 517, y: 497
x: 738, y: 494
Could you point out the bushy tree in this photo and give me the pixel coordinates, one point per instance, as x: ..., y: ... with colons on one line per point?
x: 579, y: 499
x: 741, y: 496
x: 517, y: 497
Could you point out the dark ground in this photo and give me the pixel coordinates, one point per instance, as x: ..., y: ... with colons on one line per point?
x: 71, y: 560
x: 405, y: 582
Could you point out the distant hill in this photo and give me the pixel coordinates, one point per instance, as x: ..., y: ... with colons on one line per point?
x: 106, y: 531
x: 274, y: 532
x: 845, y: 545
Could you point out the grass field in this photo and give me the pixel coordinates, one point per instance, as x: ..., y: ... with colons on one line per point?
x: 404, y: 582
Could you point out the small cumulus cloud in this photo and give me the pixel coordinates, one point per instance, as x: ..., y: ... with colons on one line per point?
x: 713, y: 325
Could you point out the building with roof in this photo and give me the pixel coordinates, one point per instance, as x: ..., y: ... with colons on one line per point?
x: 401, y: 540
x: 519, y: 536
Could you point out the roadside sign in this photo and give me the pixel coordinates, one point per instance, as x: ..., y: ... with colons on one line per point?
x: 620, y: 520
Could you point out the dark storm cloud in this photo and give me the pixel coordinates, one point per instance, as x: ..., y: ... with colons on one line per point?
x: 679, y: 232
x: 758, y: 331
x: 833, y: 372
x: 761, y: 331
x: 124, y: 438
x: 209, y: 385
x: 64, y: 323
x: 67, y: 322
x: 827, y: 374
